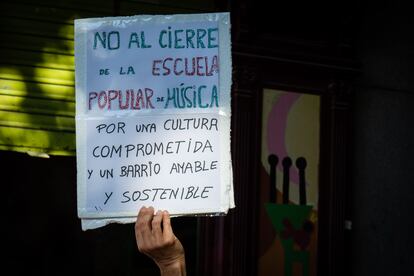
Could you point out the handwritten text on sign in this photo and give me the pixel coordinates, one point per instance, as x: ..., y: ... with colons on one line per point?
x: 125, y: 166
x: 153, y: 125
x: 163, y: 66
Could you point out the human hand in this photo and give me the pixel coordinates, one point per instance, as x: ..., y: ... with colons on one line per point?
x: 155, y: 238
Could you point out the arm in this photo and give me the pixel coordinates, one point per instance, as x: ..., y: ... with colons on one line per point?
x: 156, y: 239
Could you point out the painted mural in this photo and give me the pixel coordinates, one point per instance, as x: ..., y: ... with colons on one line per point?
x: 289, y: 184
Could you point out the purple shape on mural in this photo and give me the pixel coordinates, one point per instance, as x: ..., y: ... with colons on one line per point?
x: 276, y: 128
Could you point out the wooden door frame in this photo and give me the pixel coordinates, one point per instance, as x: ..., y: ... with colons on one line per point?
x: 226, y: 244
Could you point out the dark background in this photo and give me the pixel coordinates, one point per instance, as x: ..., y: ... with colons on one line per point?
x: 383, y: 144
x: 43, y: 234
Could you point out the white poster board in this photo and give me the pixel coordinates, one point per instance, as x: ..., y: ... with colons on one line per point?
x: 153, y: 116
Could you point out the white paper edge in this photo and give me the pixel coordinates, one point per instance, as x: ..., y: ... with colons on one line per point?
x: 80, y: 84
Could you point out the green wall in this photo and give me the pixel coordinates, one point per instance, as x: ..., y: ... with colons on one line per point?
x: 37, y: 94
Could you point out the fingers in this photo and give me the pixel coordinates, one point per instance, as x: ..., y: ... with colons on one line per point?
x: 166, y: 223
x: 143, y: 225
x: 155, y: 238
x: 153, y: 231
x: 156, y: 225
x: 145, y: 216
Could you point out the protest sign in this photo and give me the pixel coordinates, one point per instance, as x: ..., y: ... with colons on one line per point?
x: 153, y: 115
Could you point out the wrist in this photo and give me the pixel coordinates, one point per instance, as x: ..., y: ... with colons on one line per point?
x: 173, y: 268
